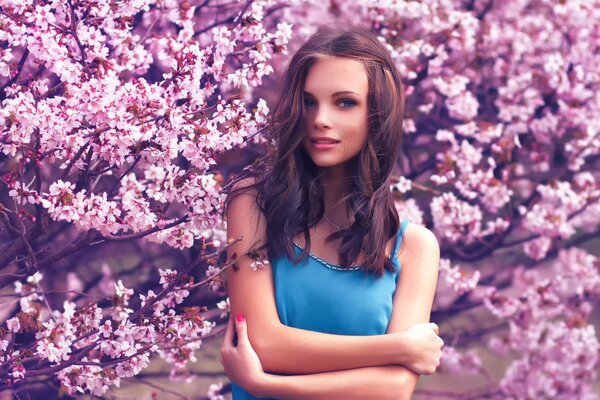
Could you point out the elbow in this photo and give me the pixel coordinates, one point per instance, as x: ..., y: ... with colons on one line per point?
x: 407, y: 385
x: 403, y: 385
x: 398, y: 391
x: 260, y: 339
x: 264, y: 342
x: 271, y: 363
x: 403, y: 394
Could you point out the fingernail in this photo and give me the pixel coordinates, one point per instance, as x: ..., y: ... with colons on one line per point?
x: 240, y: 318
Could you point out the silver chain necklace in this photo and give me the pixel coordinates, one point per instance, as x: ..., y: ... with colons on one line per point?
x: 337, y: 227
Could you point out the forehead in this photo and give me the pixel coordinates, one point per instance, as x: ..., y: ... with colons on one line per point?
x: 332, y: 74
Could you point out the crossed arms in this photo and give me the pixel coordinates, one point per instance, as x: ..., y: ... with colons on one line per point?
x: 318, y: 365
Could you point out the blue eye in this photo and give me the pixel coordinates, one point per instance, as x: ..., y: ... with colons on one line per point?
x: 347, y: 103
x: 308, y: 103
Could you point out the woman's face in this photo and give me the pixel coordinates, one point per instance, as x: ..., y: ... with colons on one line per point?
x: 335, y: 105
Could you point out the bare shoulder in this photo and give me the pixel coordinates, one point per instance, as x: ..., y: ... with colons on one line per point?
x: 419, y: 247
x: 244, y: 217
x: 242, y: 195
x: 249, y: 282
x: 419, y: 259
x: 244, y: 187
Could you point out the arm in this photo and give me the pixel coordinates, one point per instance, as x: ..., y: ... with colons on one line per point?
x: 389, y: 382
x: 284, y: 349
x: 419, y: 258
x: 413, y: 300
x: 243, y: 367
x: 412, y: 305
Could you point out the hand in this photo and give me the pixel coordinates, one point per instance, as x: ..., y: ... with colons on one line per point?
x: 241, y: 362
x: 426, y: 347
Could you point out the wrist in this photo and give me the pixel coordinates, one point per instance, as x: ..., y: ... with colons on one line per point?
x: 403, y: 347
x: 263, y: 386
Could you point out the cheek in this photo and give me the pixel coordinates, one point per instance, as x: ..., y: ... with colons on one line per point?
x: 357, y: 132
x: 305, y: 144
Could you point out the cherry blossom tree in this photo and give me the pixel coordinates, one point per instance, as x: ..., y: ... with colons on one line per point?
x: 117, y: 118
x: 501, y: 159
x: 113, y: 117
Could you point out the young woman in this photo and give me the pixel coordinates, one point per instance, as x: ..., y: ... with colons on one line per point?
x: 342, y: 309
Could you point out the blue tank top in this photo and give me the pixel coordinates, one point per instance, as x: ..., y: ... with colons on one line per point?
x: 318, y: 296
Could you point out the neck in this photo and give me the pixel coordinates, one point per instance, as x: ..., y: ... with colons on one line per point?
x: 336, y: 182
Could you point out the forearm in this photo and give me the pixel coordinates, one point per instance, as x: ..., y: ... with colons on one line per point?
x: 296, y: 351
x: 386, y: 382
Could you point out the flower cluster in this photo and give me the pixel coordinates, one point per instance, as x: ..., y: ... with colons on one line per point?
x: 455, y: 219
x: 454, y: 361
x: 112, y: 120
x: 98, y: 124
x: 501, y: 125
x: 540, y: 335
x: 116, y: 121
x: 99, y: 346
x: 460, y: 281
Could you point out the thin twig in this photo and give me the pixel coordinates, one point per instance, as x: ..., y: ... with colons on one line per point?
x: 138, y: 235
x: 158, y: 387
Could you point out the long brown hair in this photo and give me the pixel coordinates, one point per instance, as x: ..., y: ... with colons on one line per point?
x: 288, y: 192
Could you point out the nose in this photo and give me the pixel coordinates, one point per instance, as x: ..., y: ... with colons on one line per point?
x: 322, y: 118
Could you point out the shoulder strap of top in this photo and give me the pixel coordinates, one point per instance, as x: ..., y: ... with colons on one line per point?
x: 403, y: 224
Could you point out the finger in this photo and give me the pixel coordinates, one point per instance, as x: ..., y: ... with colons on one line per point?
x: 228, y: 340
x: 435, y: 328
x: 242, y: 331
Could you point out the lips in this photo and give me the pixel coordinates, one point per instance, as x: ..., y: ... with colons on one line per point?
x: 324, y: 140
x: 322, y: 143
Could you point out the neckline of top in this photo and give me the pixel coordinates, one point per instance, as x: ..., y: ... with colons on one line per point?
x: 391, y: 257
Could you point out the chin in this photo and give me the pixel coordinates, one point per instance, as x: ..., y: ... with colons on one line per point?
x: 323, y: 161
x: 325, y: 164
x: 329, y: 161
x: 326, y: 160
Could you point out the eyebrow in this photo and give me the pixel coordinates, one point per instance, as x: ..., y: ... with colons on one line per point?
x: 341, y: 92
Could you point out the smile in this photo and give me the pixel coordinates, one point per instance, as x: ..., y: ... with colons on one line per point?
x: 324, y: 145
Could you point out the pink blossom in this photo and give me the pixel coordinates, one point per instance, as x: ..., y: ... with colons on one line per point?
x: 18, y: 371
x: 463, y: 363
x: 501, y: 306
x: 451, y: 86
x: 455, y: 219
x: 13, y: 325
x: 404, y: 185
x: 537, y: 248
x: 283, y: 34
x: 6, y: 57
x: 259, y: 264
x: 214, y: 391
x: 461, y: 282
x: 410, y: 210
x: 577, y: 272
x: 61, y: 202
x: 225, y: 306
x: 462, y: 107
x: 213, y: 272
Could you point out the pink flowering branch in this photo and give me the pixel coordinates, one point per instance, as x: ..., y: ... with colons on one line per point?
x: 499, y: 159
x: 78, y: 357
x: 128, y: 146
